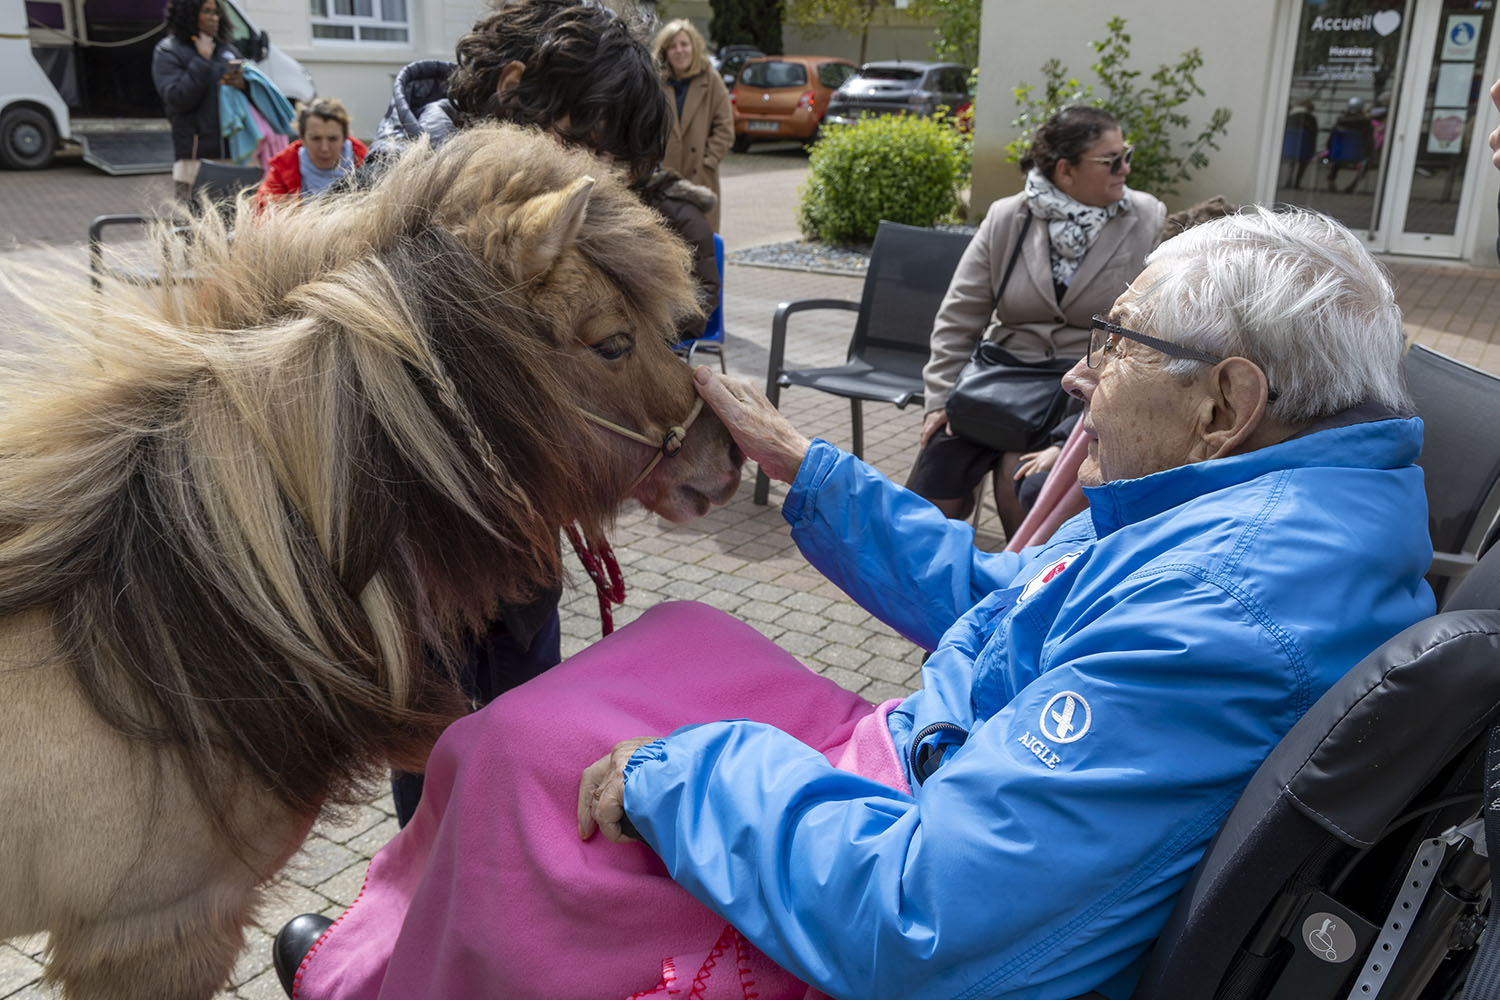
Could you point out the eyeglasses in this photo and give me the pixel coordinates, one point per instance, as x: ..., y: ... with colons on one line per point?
x: 1117, y: 163
x: 1102, y: 334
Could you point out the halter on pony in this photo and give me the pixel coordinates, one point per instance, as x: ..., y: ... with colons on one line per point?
x: 599, y: 561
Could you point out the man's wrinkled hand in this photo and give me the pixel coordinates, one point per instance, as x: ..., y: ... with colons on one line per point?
x: 601, y: 793
x: 762, y: 433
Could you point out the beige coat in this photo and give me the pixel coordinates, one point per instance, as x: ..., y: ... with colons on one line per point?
x: 1030, y: 320
x: 702, y: 135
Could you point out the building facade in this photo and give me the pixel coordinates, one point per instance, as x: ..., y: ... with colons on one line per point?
x: 1373, y: 111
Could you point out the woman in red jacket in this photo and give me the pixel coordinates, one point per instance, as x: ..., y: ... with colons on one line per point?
x: 323, y: 153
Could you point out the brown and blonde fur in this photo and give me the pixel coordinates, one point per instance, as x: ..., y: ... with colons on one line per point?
x: 235, y: 508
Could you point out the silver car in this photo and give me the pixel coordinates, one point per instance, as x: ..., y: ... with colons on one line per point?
x: 899, y: 87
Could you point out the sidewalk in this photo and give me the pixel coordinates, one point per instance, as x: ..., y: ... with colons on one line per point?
x: 740, y: 557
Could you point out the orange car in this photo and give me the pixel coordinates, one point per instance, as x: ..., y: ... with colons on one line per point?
x: 784, y: 97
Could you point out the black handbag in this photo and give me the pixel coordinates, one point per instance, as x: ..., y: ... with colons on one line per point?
x: 999, y: 400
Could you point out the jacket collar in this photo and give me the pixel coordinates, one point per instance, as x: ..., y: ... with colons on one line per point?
x: 1378, y: 442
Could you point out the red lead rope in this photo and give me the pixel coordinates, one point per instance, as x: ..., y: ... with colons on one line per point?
x: 604, y: 571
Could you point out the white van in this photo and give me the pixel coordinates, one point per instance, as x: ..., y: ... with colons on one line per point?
x: 82, y: 73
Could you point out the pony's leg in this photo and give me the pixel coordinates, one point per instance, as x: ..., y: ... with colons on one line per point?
x: 185, y: 954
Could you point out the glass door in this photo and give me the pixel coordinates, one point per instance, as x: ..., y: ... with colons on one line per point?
x: 1430, y: 189
x: 1382, y: 104
x: 1346, y: 75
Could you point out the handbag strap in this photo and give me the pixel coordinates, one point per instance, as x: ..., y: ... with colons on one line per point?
x: 1011, y: 266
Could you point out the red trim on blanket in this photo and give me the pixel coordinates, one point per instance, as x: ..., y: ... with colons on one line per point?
x: 665, y: 987
x: 302, y: 966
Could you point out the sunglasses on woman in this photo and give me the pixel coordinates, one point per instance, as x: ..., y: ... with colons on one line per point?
x: 1117, y: 162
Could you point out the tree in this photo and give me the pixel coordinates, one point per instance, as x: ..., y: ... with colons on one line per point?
x: 957, y: 24
x: 753, y: 22
x: 1150, y: 116
x: 846, y: 15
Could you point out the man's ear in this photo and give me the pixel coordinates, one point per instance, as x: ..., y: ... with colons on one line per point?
x: 510, y: 75
x: 1234, y: 407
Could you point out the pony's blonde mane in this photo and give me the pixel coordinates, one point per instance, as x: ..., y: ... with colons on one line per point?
x: 251, y: 497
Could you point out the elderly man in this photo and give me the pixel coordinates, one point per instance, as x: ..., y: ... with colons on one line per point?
x: 1020, y: 826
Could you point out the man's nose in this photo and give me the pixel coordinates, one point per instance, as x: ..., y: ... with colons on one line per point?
x: 1080, y: 380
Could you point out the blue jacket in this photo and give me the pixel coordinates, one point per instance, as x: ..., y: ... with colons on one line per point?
x: 240, y: 131
x: 1092, y: 707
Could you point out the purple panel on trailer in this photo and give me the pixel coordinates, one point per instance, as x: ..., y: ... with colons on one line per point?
x: 44, y: 15
x: 124, y: 10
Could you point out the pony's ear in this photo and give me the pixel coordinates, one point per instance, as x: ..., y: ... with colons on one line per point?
x: 545, y: 226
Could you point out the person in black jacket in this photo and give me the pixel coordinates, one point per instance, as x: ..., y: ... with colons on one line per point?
x: 188, y: 67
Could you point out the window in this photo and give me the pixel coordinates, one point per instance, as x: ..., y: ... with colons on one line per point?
x: 378, y: 21
x: 774, y: 74
x: 833, y: 75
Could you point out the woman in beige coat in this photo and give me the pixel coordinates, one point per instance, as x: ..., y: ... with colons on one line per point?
x: 1087, y: 238
x: 703, y: 128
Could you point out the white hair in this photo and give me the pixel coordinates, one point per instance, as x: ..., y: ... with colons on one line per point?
x: 1293, y: 291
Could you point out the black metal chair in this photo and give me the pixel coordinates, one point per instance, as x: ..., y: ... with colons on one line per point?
x: 1460, y: 408
x: 221, y: 183
x: 910, y: 268
x: 1354, y: 865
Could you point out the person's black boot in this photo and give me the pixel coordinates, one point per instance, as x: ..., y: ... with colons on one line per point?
x: 292, y: 944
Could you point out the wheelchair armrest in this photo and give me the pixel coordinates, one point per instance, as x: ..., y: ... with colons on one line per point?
x: 778, y: 335
x: 1452, y: 563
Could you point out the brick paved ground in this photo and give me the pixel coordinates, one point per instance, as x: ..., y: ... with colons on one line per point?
x: 740, y: 557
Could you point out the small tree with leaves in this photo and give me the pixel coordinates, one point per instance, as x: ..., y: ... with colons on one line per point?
x: 852, y: 16
x: 752, y: 22
x: 1151, y: 116
x: 957, y: 25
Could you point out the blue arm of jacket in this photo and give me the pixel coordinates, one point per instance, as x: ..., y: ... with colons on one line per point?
x: 913, y: 568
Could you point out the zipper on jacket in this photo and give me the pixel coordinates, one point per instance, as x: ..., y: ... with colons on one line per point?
x: 923, y: 759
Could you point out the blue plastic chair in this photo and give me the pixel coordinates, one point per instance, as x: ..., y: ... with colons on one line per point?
x: 712, y: 338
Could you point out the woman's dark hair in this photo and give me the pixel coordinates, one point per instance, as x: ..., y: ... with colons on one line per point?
x: 182, y: 20
x: 581, y: 62
x: 1067, y: 135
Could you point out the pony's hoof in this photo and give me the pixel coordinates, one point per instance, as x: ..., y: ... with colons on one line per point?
x: 292, y: 944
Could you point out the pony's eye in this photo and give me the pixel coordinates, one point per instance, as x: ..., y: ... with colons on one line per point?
x: 615, y: 347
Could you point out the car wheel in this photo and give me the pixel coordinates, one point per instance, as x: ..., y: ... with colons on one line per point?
x: 27, y: 139
x: 741, y: 143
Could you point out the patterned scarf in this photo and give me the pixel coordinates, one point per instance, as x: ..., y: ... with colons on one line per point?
x: 1072, y: 227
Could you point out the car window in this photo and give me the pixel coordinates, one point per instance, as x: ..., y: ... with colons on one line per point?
x: 959, y: 81
x: 888, y: 73
x: 774, y: 74
x: 833, y: 74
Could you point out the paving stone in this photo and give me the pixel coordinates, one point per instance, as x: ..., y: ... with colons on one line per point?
x: 839, y: 655
x: 16, y: 969
x: 771, y: 592
x: 849, y: 635
x: 842, y: 676
x: 800, y: 644
x: 802, y: 601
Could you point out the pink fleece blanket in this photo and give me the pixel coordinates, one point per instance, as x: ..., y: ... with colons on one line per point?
x: 488, y: 892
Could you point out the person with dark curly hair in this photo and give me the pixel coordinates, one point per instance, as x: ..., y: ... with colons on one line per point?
x: 188, y: 66
x: 576, y: 69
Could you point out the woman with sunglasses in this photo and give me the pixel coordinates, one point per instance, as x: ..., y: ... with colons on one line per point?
x: 1079, y: 236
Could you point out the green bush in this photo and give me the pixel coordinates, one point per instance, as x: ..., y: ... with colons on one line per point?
x: 897, y: 167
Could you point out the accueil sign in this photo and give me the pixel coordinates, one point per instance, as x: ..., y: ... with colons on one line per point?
x: 1381, y: 22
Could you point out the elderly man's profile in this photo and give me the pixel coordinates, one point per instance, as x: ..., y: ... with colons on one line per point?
x: 1090, y: 709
